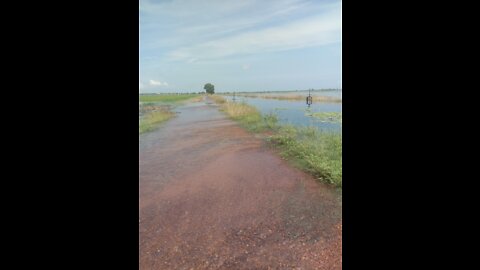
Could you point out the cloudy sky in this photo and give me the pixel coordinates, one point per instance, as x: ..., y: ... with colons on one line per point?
x: 239, y: 45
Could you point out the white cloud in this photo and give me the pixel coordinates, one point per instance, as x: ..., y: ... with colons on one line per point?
x: 185, y: 22
x: 158, y: 83
x: 246, y: 66
x: 313, y: 31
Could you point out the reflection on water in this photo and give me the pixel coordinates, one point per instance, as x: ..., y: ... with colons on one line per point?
x: 295, y: 112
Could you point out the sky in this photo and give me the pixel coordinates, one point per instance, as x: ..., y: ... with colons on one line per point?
x: 239, y: 45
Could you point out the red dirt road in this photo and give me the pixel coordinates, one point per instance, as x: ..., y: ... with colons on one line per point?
x: 213, y: 196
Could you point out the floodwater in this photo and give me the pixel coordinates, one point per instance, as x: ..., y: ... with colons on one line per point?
x: 327, y: 93
x: 296, y: 112
x: 213, y: 196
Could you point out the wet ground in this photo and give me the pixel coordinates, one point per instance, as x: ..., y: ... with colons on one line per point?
x: 213, y: 196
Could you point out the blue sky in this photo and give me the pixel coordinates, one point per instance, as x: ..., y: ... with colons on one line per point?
x: 239, y: 45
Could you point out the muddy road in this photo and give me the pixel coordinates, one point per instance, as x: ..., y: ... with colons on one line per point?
x: 213, y: 196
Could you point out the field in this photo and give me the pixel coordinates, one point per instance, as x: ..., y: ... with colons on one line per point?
x: 167, y: 98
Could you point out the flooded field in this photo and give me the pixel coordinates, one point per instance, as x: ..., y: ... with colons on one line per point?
x: 324, y: 115
x: 327, y: 93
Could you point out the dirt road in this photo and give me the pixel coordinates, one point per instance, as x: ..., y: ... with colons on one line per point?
x: 213, y: 196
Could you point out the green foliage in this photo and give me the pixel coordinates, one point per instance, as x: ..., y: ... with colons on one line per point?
x: 312, y: 150
x: 270, y: 121
x: 209, y: 88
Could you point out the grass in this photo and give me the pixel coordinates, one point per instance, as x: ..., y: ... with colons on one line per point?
x: 155, y: 109
x: 151, y: 120
x: 167, y: 98
x: 312, y: 150
x: 248, y: 116
x: 218, y: 99
x: 308, y: 148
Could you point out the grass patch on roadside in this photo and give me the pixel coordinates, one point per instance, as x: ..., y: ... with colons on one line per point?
x: 312, y: 150
x: 218, y: 99
x: 155, y: 109
x: 308, y: 148
x: 151, y: 120
x: 248, y: 116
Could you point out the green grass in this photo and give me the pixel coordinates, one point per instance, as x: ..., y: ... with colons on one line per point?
x: 312, y: 150
x: 167, y: 98
x: 308, y: 148
x: 155, y: 109
x: 151, y: 120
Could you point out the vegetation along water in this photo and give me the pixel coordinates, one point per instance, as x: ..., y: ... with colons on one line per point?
x: 315, y: 150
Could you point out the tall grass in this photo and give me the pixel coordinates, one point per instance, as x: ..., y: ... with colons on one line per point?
x: 218, y: 99
x: 308, y: 148
x: 248, y: 116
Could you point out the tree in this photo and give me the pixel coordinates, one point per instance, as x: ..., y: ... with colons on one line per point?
x: 210, y: 88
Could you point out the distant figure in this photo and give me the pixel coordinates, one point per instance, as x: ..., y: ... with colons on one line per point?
x: 309, y: 100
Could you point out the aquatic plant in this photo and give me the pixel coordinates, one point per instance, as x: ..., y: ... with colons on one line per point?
x: 333, y: 117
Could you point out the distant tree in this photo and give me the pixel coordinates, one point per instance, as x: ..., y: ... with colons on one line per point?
x: 210, y: 88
